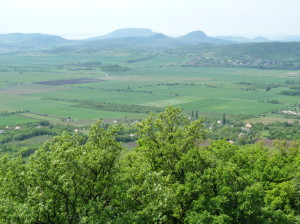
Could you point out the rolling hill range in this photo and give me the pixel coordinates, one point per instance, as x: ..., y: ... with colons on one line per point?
x: 196, y: 47
x: 31, y: 41
x: 122, y: 38
x: 155, y: 42
x: 244, y: 39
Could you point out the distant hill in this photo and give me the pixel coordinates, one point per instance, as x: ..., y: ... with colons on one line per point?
x: 260, y: 39
x: 155, y: 42
x: 124, y: 33
x: 244, y: 39
x: 197, y: 37
x: 31, y: 40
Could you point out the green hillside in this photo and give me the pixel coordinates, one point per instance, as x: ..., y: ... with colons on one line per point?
x: 271, y: 55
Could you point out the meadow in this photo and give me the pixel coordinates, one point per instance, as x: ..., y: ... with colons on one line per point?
x: 49, y: 87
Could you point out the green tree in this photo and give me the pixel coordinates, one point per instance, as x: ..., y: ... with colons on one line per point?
x: 224, y: 119
x: 68, y: 181
x: 167, y: 144
x: 196, y: 115
x: 168, y: 178
x: 166, y: 137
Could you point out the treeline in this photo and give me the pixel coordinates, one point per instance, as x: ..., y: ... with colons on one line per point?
x: 283, y: 131
x: 6, y: 113
x: 25, y: 135
x: 118, y: 107
x: 110, y: 68
x: 168, y: 178
x: 10, y: 139
x: 290, y: 92
x: 141, y: 59
x: 242, y: 135
x: 292, y: 85
x: 93, y: 65
x: 112, y: 106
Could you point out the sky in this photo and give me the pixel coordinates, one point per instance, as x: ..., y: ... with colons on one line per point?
x: 77, y: 19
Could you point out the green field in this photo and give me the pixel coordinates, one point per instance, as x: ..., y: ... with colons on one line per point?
x: 159, y: 81
x: 13, y: 120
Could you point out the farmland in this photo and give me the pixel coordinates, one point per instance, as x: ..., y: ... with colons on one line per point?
x: 54, y: 85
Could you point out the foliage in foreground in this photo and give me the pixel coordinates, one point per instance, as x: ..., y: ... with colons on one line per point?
x: 168, y: 178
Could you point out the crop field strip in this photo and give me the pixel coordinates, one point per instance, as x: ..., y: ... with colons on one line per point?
x: 13, y: 120
x: 45, y: 85
x: 68, y: 82
x: 30, y: 117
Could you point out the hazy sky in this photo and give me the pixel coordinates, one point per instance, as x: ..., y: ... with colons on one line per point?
x: 84, y: 18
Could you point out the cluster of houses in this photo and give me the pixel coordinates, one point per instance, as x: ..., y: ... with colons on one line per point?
x: 289, y: 112
x: 244, y: 129
x: 8, y: 128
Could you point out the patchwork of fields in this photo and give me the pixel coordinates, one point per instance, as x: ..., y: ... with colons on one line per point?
x: 54, y: 88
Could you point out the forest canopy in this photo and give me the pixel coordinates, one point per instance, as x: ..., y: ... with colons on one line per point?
x: 168, y: 178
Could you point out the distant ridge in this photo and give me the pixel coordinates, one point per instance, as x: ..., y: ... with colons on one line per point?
x: 260, y: 39
x: 24, y: 37
x: 27, y: 36
x: 157, y: 41
x: 125, y: 33
x: 244, y: 39
x: 30, y: 40
x: 129, y: 38
x: 160, y: 36
x: 197, y: 37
